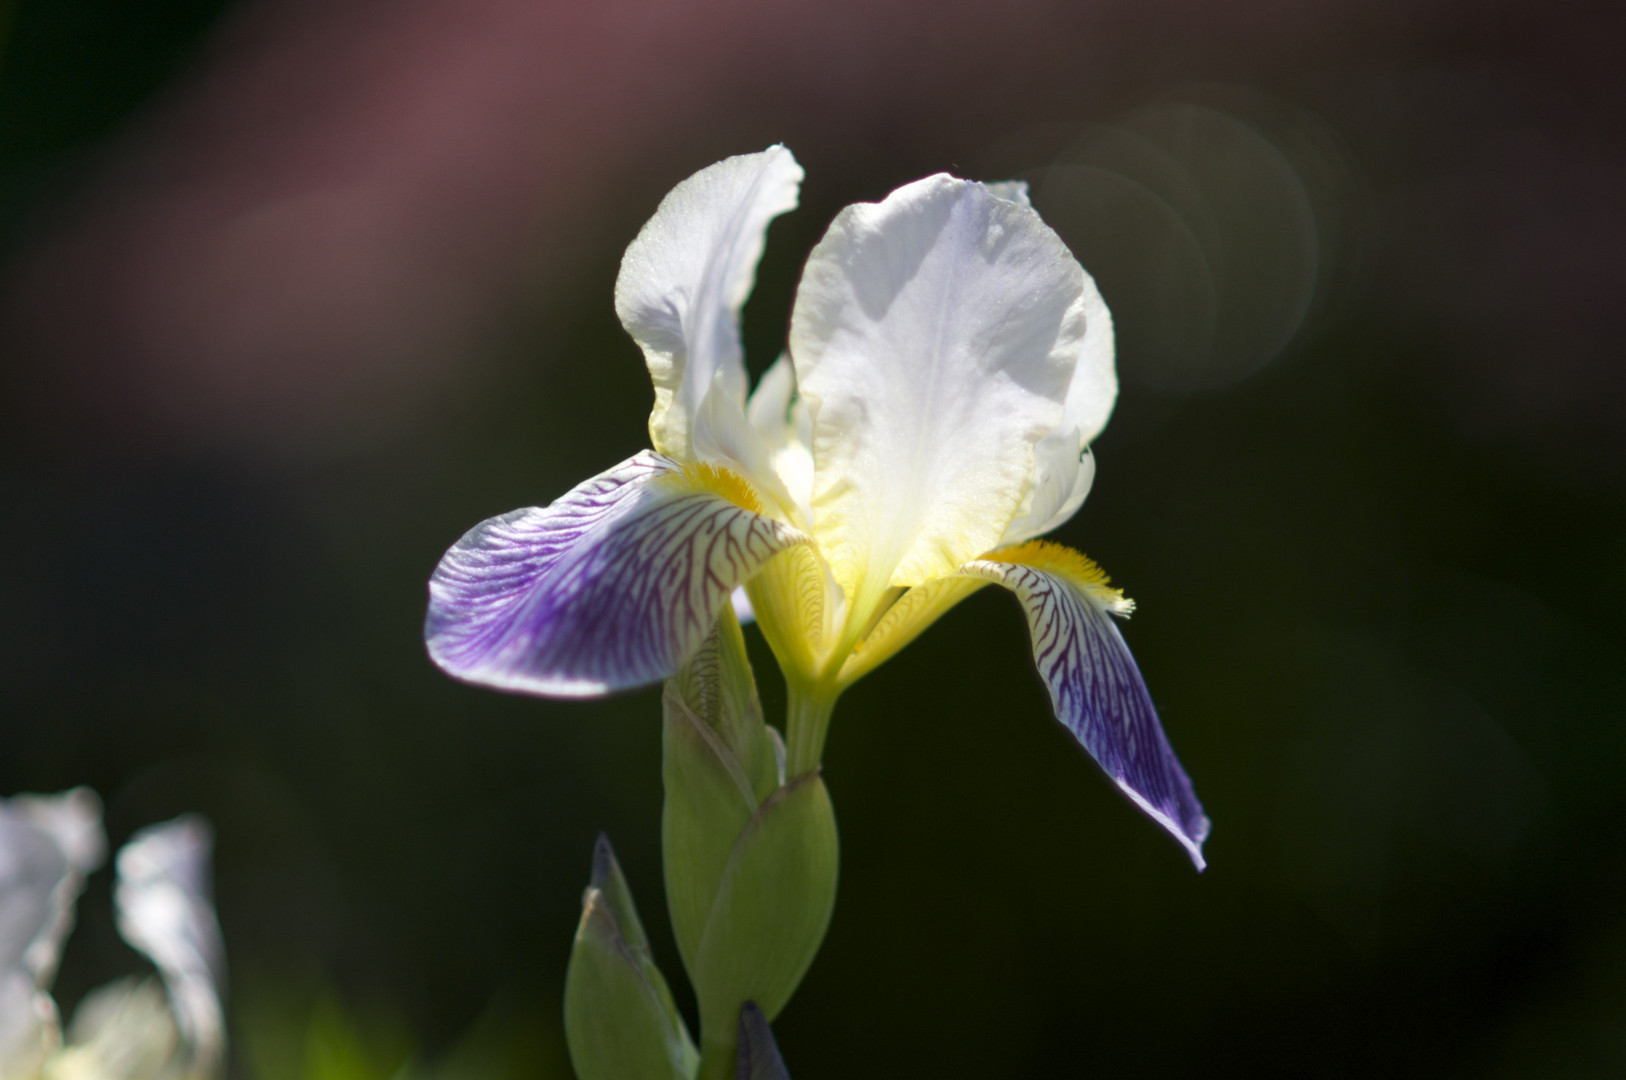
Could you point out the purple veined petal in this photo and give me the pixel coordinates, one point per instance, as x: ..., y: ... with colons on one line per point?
x: 612, y: 586
x: 164, y: 910
x: 1095, y: 687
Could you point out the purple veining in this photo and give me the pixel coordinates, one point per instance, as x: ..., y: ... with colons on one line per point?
x: 1098, y: 694
x: 612, y: 586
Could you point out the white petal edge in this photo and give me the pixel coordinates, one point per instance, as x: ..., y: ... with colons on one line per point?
x: 1094, y: 388
x: 686, y: 275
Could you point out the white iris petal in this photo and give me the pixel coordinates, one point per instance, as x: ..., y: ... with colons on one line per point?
x: 164, y: 910
x: 935, y: 336
x: 1061, y: 480
x: 1094, y: 389
x: 780, y: 419
x: 685, y: 277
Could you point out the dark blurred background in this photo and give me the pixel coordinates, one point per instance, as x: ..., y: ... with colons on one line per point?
x: 296, y: 291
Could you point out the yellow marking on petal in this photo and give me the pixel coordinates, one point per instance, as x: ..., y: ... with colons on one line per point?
x: 703, y: 476
x: 906, y: 619
x: 1070, y: 564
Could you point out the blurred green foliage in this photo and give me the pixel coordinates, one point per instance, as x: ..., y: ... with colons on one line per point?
x: 303, y: 1032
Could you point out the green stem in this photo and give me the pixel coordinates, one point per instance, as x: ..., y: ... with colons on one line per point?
x: 807, y: 718
x: 719, y: 1060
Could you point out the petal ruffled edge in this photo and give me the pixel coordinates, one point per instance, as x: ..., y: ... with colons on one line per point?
x: 613, y: 585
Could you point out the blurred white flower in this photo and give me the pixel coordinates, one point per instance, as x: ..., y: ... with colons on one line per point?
x: 132, y: 1029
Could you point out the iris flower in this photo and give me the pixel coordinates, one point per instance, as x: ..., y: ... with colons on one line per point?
x: 129, y: 1029
x: 949, y: 364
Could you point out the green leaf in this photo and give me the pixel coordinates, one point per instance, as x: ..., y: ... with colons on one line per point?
x: 620, y: 1020
x: 773, y: 906
x: 709, y: 800
x: 720, y: 761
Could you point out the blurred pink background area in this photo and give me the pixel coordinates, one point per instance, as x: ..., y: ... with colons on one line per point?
x: 331, y: 226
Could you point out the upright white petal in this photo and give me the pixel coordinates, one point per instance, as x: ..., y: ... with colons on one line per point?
x: 935, y: 338
x: 687, y: 274
x: 164, y: 910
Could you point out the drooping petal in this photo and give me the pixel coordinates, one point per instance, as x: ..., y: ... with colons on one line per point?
x: 165, y: 911
x: 612, y: 586
x: 687, y: 274
x: 1095, y: 686
x: 935, y: 336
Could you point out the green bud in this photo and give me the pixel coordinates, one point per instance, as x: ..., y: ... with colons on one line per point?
x: 620, y: 1020
x: 719, y: 762
x: 719, y: 688
x: 772, y: 908
x: 750, y: 860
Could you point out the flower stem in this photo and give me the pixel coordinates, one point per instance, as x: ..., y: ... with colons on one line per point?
x: 807, y: 718
x: 718, y: 1060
